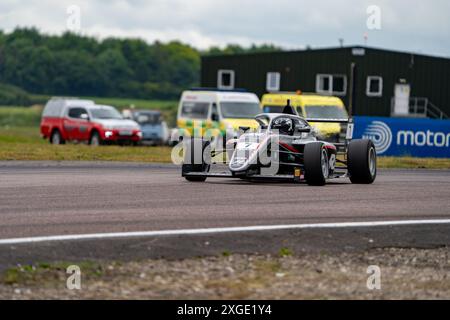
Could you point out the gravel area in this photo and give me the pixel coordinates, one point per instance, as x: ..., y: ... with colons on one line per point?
x: 405, y: 274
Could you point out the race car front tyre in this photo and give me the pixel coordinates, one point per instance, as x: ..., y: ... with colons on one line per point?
x: 316, y: 164
x: 362, y: 161
x: 197, y: 159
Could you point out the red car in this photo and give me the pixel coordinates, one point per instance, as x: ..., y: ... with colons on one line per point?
x: 67, y: 119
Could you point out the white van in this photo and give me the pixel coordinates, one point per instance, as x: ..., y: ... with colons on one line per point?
x: 222, y: 112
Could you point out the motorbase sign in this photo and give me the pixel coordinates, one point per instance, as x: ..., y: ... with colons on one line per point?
x: 405, y: 136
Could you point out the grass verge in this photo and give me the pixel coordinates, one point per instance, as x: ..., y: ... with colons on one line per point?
x: 413, y: 163
x: 48, y: 273
x: 20, y: 116
x: 25, y: 144
x: 43, y: 152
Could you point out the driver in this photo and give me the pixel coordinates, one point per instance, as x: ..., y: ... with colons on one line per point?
x: 284, y: 126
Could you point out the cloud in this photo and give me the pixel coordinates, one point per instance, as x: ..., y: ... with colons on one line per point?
x: 413, y: 25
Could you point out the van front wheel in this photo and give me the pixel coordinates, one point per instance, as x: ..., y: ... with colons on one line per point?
x: 95, y: 140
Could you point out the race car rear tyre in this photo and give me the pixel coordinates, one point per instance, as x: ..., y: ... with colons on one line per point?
x: 362, y: 161
x: 196, y: 159
x: 316, y: 164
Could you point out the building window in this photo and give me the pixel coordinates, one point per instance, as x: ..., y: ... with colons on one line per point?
x: 225, y: 79
x: 331, y: 84
x: 374, y: 86
x: 273, y: 81
x: 323, y: 84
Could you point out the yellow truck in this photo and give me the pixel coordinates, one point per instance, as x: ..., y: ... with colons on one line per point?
x: 310, y: 106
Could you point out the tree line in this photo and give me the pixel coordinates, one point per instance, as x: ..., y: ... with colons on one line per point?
x: 77, y: 65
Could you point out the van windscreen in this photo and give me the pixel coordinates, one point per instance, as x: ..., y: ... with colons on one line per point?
x: 105, y: 113
x: 195, y: 110
x: 325, y: 112
x: 279, y: 109
x: 239, y: 110
x: 272, y: 109
x: 148, y: 118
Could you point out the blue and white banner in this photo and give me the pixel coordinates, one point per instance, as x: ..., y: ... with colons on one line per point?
x: 405, y: 137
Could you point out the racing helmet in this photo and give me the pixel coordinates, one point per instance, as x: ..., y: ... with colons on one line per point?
x: 284, y: 126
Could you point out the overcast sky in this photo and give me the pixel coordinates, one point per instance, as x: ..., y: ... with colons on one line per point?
x: 411, y: 25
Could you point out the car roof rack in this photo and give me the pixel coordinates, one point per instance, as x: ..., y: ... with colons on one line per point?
x: 64, y: 98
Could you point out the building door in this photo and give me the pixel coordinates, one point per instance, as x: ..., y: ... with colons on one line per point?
x: 401, y: 99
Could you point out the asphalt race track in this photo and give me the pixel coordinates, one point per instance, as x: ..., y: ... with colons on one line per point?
x: 54, y: 200
x: 48, y: 199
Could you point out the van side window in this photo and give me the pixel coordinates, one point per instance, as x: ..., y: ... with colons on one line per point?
x: 76, y: 112
x: 195, y: 110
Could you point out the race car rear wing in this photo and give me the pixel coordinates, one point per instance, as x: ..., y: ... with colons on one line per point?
x: 317, y: 120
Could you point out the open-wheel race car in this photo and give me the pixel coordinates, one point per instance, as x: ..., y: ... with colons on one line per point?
x: 284, y: 147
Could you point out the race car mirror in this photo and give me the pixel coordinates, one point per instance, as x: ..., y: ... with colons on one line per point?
x: 303, y: 130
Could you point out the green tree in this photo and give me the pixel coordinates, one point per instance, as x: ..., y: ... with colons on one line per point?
x: 77, y: 73
x: 72, y: 64
x: 113, y: 70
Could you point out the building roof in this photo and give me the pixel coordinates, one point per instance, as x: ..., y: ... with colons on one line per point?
x: 331, y: 49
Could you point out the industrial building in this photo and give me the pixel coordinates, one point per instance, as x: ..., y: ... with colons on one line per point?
x: 373, y: 82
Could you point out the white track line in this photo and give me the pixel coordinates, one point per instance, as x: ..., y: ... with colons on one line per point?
x: 96, y: 236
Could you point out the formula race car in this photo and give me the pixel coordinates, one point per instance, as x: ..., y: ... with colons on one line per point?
x: 284, y: 147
